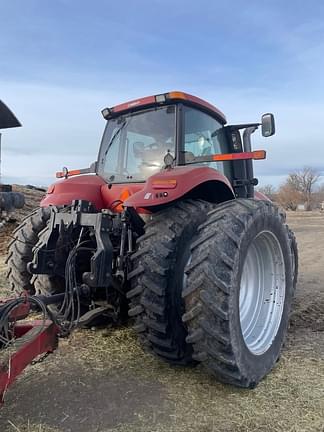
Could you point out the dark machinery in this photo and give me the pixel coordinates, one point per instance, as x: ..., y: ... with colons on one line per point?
x: 9, y: 200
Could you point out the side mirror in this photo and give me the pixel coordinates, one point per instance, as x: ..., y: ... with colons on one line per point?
x: 268, y: 125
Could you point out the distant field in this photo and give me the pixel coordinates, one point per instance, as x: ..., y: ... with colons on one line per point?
x: 102, y: 380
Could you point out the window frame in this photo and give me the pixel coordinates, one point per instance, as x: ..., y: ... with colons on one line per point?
x: 122, y: 149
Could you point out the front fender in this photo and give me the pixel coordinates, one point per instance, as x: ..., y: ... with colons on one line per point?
x: 179, y: 182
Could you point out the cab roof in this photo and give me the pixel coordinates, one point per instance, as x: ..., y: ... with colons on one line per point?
x: 164, y: 99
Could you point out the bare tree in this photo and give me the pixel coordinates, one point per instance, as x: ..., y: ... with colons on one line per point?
x: 318, y: 196
x: 303, y: 182
x: 288, y: 197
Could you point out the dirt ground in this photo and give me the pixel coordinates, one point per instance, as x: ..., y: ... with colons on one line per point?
x: 102, y: 380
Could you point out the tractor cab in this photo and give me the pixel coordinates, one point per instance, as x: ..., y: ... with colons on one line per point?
x: 175, y: 129
x: 140, y: 134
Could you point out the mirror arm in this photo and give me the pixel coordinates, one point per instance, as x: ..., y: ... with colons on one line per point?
x: 249, y: 165
x: 247, y: 137
x: 234, y: 127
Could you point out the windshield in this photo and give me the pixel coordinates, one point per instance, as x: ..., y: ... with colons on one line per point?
x: 134, y: 145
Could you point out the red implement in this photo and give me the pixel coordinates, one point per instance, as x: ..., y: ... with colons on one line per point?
x: 30, y: 339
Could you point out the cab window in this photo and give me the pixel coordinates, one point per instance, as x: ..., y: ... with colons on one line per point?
x: 134, y: 145
x: 203, y: 135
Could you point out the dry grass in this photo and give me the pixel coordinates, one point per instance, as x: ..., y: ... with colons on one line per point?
x: 291, y: 398
x: 29, y: 428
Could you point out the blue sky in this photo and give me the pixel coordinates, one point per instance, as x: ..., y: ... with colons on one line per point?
x: 63, y: 61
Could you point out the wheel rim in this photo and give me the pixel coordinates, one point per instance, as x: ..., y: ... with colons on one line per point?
x: 262, y: 292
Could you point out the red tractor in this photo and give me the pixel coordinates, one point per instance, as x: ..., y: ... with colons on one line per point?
x: 166, y: 227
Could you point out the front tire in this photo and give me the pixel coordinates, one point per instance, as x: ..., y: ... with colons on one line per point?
x: 239, y: 291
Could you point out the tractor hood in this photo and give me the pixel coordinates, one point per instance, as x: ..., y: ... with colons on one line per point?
x: 7, y: 117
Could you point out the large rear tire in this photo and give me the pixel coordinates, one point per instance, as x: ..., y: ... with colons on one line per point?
x: 157, y: 280
x: 239, y: 291
x: 20, y: 250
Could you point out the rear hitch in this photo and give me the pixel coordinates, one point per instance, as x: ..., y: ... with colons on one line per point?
x: 49, y: 256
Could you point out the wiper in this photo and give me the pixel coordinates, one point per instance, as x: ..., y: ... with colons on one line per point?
x: 115, y: 136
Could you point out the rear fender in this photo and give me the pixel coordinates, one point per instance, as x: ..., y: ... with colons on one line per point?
x: 92, y: 189
x: 83, y: 187
x: 182, y: 182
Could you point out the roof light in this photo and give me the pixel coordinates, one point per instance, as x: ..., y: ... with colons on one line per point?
x: 160, y: 98
x: 106, y: 112
x: 176, y: 95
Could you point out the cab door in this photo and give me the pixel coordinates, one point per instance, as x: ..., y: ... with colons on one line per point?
x: 203, y: 135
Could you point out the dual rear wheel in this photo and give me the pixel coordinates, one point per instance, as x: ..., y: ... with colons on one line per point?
x: 216, y: 288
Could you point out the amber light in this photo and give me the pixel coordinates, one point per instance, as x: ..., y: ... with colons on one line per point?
x: 70, y: 173
x: 176, y: 95
x: 255, y: 155
x: 164, y: 184
x: 259, y: 154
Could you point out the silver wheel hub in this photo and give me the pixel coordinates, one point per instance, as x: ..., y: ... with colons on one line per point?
x: 262, y: 292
